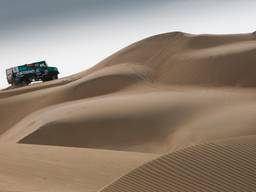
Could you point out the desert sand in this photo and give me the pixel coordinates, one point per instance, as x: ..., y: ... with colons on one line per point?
x: 173, y: 112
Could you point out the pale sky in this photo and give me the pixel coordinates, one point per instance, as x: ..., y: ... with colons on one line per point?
x: 74, y: 35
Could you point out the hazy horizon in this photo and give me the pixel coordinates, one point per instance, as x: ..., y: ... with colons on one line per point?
x: 75, y: 35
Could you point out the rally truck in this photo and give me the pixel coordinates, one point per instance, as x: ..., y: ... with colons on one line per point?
x: 25, y: 74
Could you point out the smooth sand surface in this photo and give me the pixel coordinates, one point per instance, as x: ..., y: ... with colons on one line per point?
x: 158, y: 96
x: 40, y: 168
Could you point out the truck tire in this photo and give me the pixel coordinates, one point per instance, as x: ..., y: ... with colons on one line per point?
x: 44, y: 79
x: 25, y: 82
x: 54, y: 77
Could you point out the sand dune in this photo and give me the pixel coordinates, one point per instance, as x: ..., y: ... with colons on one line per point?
x: 159, y: 95
x: 179, y: 58
x: 205, y: 168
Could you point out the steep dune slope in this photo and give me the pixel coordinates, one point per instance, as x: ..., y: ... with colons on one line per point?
x: 203, y: 168
x: 179, y: 58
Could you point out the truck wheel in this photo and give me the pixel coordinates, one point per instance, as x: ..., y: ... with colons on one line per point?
x: 54, y: 77
x: 25, y: 82
x: 44, y: 79
x: 15, y: 84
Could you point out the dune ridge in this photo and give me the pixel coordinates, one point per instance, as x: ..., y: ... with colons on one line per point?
x: 225, y: 60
